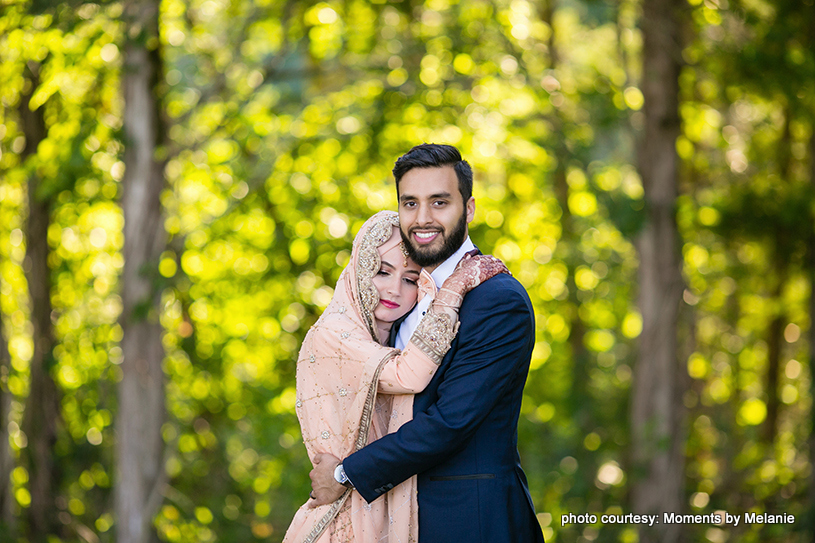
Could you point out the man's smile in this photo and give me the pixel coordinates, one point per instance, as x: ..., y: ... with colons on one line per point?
x: 425, y: 237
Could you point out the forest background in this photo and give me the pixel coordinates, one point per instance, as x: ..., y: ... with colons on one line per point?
x: 180, y: 182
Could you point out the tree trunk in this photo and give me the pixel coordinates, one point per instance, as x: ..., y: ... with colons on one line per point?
x: 657, y: 413
x: 140, y: 448
x: 580, y: 402
x: 7, y: 526
x: 781, y: 257
x: 775, y: 333
x: 811, y: 266
x: 42, y: 410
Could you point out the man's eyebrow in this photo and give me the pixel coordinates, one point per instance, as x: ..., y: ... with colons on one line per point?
x: 406, y: 197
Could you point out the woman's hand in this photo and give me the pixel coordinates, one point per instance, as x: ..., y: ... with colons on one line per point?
x: 438, y: 327
x: 472, y: 271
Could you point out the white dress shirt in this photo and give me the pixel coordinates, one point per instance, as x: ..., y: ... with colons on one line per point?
x: 439, y: 275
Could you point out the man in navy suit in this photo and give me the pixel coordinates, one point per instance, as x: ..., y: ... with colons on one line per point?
x: 462, y: 441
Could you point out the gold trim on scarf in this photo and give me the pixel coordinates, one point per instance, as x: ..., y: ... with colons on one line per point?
x: 368, y: 264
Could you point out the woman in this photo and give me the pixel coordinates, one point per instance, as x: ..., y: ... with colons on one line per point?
x: 344, y: 362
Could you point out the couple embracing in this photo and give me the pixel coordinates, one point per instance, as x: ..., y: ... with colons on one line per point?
x: 409, y: 385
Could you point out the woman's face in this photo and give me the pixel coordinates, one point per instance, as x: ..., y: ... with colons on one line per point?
x: 397, y: 285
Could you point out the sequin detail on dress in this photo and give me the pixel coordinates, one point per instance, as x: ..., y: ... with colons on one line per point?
x: 433, y: 335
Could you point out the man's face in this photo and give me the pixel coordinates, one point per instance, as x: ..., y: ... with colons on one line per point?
x: 432, y: 214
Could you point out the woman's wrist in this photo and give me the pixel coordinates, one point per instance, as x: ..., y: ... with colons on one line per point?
x: 449, y: 298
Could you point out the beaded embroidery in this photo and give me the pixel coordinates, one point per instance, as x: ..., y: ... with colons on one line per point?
x: 433, y: 335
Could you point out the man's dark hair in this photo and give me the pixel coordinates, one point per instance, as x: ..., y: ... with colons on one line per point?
x: 435, y: 155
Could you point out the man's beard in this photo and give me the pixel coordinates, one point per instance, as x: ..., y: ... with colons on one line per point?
x: 428, y: 257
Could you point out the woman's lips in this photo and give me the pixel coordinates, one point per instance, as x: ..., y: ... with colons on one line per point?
x: 389, y: 304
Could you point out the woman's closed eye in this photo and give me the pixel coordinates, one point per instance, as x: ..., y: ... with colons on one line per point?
x: 407, y: 280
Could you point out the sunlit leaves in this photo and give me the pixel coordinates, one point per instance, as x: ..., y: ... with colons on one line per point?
x: 283, y: 121
x: 752, y: 412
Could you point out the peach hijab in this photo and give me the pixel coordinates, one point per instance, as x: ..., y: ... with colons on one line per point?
x: 338, y: 370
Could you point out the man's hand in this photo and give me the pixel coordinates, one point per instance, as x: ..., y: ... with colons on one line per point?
x: 325, y: 489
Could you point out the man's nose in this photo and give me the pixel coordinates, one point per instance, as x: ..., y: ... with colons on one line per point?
x: 423, y: 217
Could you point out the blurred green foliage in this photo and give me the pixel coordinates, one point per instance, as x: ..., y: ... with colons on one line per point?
x: 283, y: 121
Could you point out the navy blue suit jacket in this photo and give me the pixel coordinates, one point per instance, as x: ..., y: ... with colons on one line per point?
x: 462, y: 441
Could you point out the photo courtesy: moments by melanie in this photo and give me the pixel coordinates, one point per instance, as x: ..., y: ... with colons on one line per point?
x: 715, y: 518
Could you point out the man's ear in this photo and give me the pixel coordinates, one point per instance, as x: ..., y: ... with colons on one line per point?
x: 470, y: 209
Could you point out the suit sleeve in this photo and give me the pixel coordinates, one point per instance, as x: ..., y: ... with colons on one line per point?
x: 494, y: 342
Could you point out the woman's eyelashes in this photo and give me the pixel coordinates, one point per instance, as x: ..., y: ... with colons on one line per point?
x: 407, y: 280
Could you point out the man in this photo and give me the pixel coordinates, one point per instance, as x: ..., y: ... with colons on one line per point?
x: 462, y: 441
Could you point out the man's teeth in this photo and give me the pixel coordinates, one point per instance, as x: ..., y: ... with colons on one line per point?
x: 425, y: 235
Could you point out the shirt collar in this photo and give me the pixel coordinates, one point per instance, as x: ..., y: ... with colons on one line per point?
x: 447, y: 267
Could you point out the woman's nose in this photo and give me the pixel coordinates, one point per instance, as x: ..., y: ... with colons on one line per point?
x: 393, y: 286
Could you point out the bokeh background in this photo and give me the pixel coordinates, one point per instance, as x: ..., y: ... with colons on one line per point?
x: 269, y: 128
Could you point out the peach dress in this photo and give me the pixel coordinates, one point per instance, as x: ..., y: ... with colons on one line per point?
x: 340, y: 369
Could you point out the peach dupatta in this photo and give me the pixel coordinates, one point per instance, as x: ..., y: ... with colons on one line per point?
x: 338, y: 370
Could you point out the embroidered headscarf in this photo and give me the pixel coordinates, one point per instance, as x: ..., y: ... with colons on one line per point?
x: 338, y: 370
